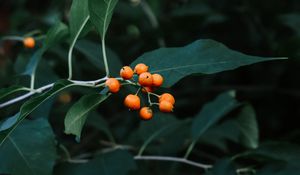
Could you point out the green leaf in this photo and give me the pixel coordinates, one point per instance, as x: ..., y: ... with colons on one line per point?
x: 201, y: 56
x: 93, y: 52
x: 55, y: 35
x: 33, y: 62
x: 33, y: 103
x: 32, y: 153
x: 247, y: 125
x: 9, y: 122
x: 11, y: 90
x: 222, y: 167
x: 101, y: 13
x: 118, y: 162
x: 78, y: 113
x: 212, y: 112
x: 78, y: 14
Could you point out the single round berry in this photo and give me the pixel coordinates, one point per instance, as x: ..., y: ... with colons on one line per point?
x: 29, y: 42
x: 113, y: 85
x: 145, y: 79
x: 167, y: 97
x: 65, y: 98
x: 133, y: 102
x: 165, y: 106
x: 146, y: 113
x: 126, y: 73
x: 140, y: 68
x: 157, y: 80
x: 147, y: 89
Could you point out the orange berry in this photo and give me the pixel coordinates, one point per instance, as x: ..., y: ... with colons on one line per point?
x: 140, y: 68
x: 146, y: 113
x: 113, y: 85
x: 157, y: 80
x: 147, y: 89
x: 167, y: 97
x: 165, y: 106
x: 29, y: 42
x: 133, y: 102
x: 126, y: 73
x: 145, y: 79
x: 65, y: 98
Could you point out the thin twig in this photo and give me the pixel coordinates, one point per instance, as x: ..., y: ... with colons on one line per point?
x: 48, y: 86
x: 73, y: 44
x: 174, y: 159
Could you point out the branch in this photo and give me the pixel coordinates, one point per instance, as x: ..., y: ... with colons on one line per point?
x: 48, y: 86
x: 174, y: 159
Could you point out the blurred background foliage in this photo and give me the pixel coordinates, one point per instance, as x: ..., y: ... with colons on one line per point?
x: 255, y: 27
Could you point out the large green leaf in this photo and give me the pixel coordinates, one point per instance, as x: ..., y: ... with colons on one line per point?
x: 93, y: 53
x: 101, y: 13
x: 118, y: 162
x: 78, y: 14
x: 33, y: 103
x: 212, y: 112
x: 78, y: 113
x: 201, y: 56
x: 30, y: 150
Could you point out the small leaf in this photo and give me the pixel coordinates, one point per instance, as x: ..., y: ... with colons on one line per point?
x: 247, y: 125
x: 222, y: 167
x: 33, y: 103
x: 9, y: 122
x: 33, y: 154
x: 78, y: 14
x: 118, y: 162
x: 77, y: 115
x: 201, y: 56
x: 55, y: 35
x: 212, y: 112
x: 101, y: 13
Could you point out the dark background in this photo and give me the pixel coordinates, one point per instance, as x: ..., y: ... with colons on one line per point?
x: 268, y: 28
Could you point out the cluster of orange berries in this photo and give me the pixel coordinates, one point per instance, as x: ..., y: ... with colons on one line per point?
x: 147, y: 82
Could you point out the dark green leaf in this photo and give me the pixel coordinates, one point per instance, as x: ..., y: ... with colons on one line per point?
x: 35, y: 102
x: 101, y: 14
x: 247, y: 125
x: 118, y: 162
x: 78, y: 14
x: 55, y: 35
x: 78, y: 113
x: 93, y: 53
x: 32, y: 153
x: 11, y: 90
x: 222, y: 167
x: 202, y: 56
x: 212, y: 112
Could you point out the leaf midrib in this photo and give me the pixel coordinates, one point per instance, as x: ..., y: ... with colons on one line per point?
x: 21, y: 154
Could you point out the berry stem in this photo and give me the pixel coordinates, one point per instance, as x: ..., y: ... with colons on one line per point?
x: 138, y: 91
x: 154, y: 94
x: 72, y: 46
